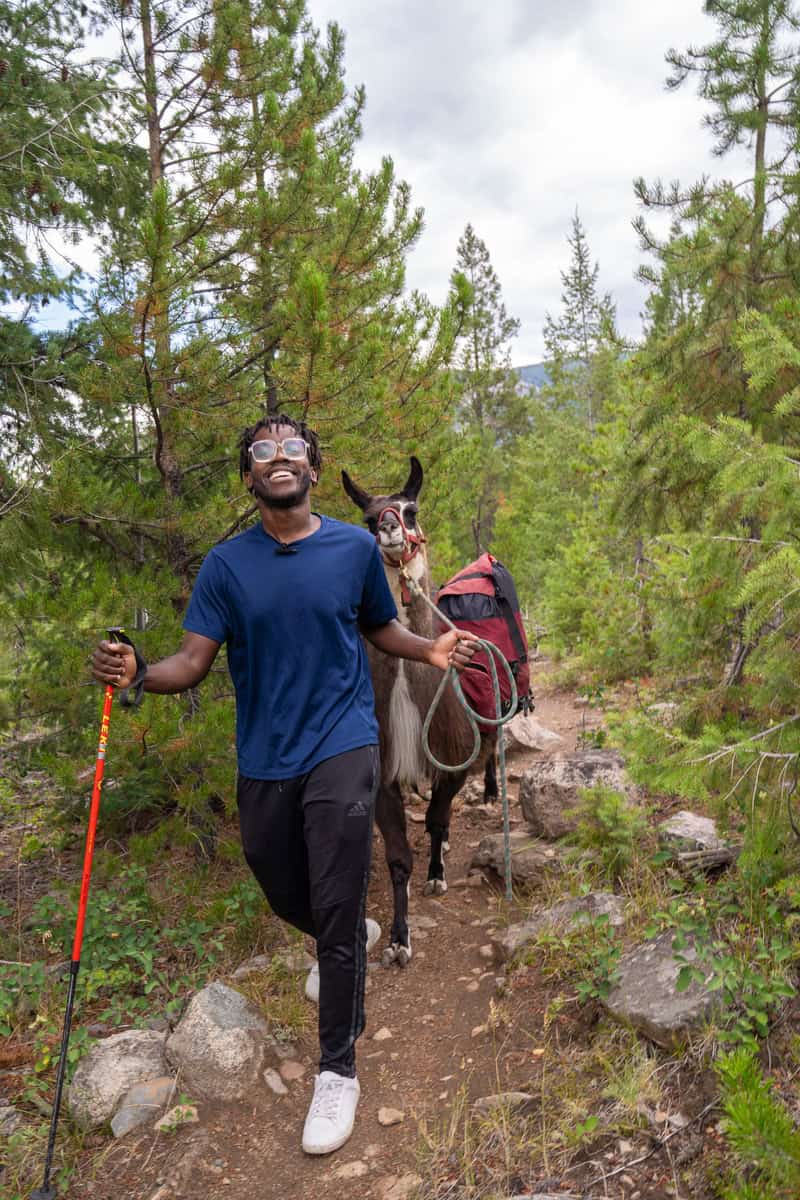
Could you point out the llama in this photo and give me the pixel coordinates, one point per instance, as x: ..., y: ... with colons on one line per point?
x: 403, y: 694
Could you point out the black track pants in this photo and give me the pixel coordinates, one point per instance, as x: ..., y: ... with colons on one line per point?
x: 308, y: 841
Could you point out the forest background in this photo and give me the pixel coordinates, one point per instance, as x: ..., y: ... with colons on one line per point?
x: 645, y: 498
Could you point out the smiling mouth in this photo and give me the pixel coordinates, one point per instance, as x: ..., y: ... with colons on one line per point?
x: 279, y: 475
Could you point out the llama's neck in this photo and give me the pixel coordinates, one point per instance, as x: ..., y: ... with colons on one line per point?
x: 417, y: 569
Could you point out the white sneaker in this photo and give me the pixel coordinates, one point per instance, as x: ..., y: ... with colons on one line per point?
x: 312, y: 979
x: 332, y: 1113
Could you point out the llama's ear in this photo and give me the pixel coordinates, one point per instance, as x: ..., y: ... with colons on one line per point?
x: 414, y: 481
x: 356, y: 494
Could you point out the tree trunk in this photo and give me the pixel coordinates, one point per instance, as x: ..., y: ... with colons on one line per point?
x: 161, y: 390
x: 249, y: 72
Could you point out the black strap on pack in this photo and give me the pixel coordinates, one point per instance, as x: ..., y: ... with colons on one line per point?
x: 130, y: 697
x: 506, y: 595
x: 507, y: 599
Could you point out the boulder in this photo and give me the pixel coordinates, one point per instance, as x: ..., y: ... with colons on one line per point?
x: 220, y: 1045
x: 645, y: 995
x: 530, y: 858
x: 549, y: 793
x: 507, y: 942
x: 525, y: 733
x: 141, y: 1103
x: 110, y: 1069
x: 688, y: 831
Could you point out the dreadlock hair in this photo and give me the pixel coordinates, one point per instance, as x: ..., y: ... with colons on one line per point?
x: 272, y: 422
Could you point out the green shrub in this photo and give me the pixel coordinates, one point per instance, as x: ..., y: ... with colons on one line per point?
x: 759, y: 1130
x: 587, y: 952
x: 610, y: 826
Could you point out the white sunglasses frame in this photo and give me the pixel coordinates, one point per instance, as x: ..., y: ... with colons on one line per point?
x: 279, y: 445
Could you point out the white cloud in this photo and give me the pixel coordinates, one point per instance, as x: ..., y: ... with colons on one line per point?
x: 511, y: 115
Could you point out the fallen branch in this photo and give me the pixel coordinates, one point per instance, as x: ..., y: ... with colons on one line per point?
x: 706, y: 860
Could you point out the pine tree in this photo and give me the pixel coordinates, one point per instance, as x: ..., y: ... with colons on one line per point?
x: 724, y: 258
x: 66, y: 169
x: 585, y: 326
x: 261, y: 268
x: 748, y: 76
x: 578, y: 572
x: 62, y: 165
x: 491, y: 410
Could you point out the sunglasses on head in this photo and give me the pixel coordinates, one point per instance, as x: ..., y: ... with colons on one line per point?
x: 265, y: 449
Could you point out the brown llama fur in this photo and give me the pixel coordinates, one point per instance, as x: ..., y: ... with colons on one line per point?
x: 404, y: 691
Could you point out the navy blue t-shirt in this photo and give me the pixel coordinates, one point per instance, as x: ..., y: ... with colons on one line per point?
x: 291, y: 623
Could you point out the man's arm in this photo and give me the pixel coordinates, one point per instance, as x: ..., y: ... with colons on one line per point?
x: 114, y: 662
x: 453, y: 649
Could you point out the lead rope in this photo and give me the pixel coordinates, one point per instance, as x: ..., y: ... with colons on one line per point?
x: 494, y: 656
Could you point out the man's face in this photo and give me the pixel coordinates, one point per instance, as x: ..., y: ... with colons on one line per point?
x: 281, y: 482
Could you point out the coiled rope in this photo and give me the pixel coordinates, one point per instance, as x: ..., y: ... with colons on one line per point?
x: 495, y: 656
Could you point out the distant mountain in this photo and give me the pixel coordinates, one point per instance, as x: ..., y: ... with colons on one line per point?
x: 534, y: 375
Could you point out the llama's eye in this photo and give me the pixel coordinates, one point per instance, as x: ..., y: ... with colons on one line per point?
x: 371, y: 524
x: 410, y: 514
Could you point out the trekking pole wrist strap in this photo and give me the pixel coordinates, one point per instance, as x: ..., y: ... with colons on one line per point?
x: 131, y: 696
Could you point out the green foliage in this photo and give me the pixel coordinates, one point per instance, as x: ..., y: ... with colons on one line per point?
x: 556, y: 523
x: 584, y: 329
x: 586, y: 953
x: 62, y: 164
x: 749, y: 962
x: 760, y: 1131
x: 267, y: 274
x: 490, y: 412
x: 24, y: 1154
x: 610, y: 826
x: 141, y: 951
x: 751, y: 976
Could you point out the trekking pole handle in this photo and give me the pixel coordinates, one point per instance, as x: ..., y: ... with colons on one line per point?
x: 131, y: 696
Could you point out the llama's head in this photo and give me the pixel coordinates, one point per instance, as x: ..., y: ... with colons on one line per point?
x: 393, y: 518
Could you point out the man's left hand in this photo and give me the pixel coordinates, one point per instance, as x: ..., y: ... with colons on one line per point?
x: 453, y: 649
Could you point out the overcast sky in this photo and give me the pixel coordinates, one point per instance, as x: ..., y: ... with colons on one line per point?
x: 510, y: 115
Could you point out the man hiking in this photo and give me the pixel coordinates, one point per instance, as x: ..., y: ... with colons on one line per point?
x: 290, y: 597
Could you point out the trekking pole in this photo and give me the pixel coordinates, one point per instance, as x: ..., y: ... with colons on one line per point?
x: 46, y: 1192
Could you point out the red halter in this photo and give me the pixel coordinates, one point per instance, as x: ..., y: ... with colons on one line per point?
x: 412, y: 540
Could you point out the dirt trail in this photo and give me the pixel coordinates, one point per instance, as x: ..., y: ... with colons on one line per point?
x: 431, y: 1008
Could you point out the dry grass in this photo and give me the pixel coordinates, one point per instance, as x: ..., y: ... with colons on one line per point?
x: 280, y: 996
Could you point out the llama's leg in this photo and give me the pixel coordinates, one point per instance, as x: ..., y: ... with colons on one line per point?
x: 490, y: 792
x: 437, y: 822
x: 390, y: 815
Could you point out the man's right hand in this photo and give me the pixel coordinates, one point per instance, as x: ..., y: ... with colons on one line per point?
x: 114, y: 662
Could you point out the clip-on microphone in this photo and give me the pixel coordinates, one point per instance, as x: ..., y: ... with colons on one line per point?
x: 286, y: 548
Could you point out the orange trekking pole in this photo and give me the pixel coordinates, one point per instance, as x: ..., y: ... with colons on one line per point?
x: 46, y: 1192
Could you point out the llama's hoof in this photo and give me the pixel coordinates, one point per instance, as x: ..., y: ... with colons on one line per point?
x: 404, y: 953
x: 435, y: 887
x: 396, y: 955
